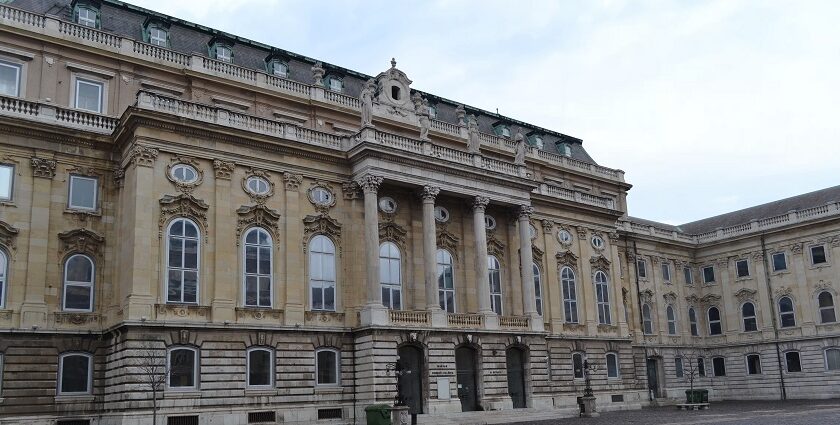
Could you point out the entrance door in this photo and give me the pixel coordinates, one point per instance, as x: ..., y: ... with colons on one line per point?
x: 411, y: 383
x: 653, y: 376
x: 516, y: 377
x: 465, y: 374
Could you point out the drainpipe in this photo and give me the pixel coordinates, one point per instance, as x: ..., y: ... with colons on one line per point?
x: 773, y: 314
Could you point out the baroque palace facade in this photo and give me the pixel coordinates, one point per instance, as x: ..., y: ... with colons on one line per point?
x: 257, y: 236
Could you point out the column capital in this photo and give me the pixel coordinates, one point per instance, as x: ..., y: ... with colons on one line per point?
x: 144, y: 156
x: 428, y: 193
x: 42, y: 167
x: 292, y: 181
x: 370, y: 183
x: 525, y: 212
x: 223, y: 169
x: 480, y: 203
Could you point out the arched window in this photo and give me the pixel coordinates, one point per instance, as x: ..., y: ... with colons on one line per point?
x: 577, y: 365
x: 258, y: 256
x: 390, y: 276
x: 748, y: 316
x: 603, y: 298
x: 446, y: 281
x: 786, y: 315
x: 832, y: 359
x: 612, y: 365
x: 4, y: 271
x: 182, y: 262
x: 322, y: 273
x: 567, y: 279
x: 647, y: 322
x: 182, y: 363
x: 494, y: 270
x: 671, y: 316
x: 75, y: 373
x: 538, y: 289
x: 714, y: 321
x: 260, y: 367
x: 692, y: 322
x: 78, y: 283
x: 825, y: 300
x: 327, y: 370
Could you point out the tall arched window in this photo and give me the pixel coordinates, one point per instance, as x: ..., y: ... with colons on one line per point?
x: 714, y: 321
x: 258, y: 256
x: 577, y: 365
x: 603, y: 298
x: 182, y: 363
x: 786, y: 315
x: 692, y: 322
x: 647, y: 322
x: 446, y: 281
x: 671, y: 316
x: 567, y: 279
x: 538, y: 289
x: 390, y: 276
x: 322, y: 273
x: 748, y: 317
x: 612, y: 365
x: 78, y: 283
x: 494, y: 271
x: 260, y: 365
x: 4, y: 271
x: 75, y: 373
x: 825, y: 300
x: 327, y: 367
x: 182, y: 262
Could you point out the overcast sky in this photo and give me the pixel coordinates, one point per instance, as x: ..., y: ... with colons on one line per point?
x: 709, y: 106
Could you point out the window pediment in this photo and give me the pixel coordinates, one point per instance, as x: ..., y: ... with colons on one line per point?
x: 390, y: 231
x: 599, y: 262
x: 81, y: 240
x: 256, y: 215
x: 566, y: 258
x: 8, y: 235
x: 183, y: 205
x: 324, y: 225
x: 745, y: 294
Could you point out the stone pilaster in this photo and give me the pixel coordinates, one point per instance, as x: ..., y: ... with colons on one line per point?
x: 526, y: 262
x: 33, y: 311
x: 295, y: 279
x: 225, y: 283
x: 373, y: 313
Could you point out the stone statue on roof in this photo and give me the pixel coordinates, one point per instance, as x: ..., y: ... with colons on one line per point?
x: 462, y: 114
x: 519, y: 149
x: 367, y: 103
x: 425, y: 123
x: 318, y: 73
x: 473, y: 142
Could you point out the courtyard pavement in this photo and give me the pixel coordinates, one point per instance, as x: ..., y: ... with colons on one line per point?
x: 797, y: 412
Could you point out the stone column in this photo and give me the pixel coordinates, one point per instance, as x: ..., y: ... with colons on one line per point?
x: 225, y: 284
x: 373, y: 313
x: 482, y: 280
x: 33, y: 311
x: 429, y: 254
x: 296, y: 285
x: 526, y: 262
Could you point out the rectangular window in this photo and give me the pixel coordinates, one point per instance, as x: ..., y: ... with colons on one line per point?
x: 719, y: 366
x: 182, y: 368
x: 689, y: 278
x: 701, y: 367
x: 641, y: 269
x: 832, y: 359
x: 224, y: 53
x: 158, y: 37
x: 74, y: 374
x: 86, y: 17
x: 666, y: 272
x: 612, y: 365
x: 9, y: 79
x: 7, y: 179
x: 792, y: 363
x: 577, y: 365
x: 779, y: 262
x: 326, y: 367
x: 708, y: 274
x: 678, y: 367
x: 83, y: 191
x: 753, y: 364
x: 89, y: 95
x: 742, y: 268
x: 818, y: 255
x: 260, y: 368
x: 336, y: 85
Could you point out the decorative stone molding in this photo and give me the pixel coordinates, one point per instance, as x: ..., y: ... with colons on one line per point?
x: 722, y: 262
x: 480, y: 203
x: 258, y: 198
x: 183, y: 205
x: 796, y: 248
x: 448, y: 241
x: 8, y: 235
x: 81, y: 240
x: 68, y: 318
x: 390, y: 231
x: 566, y: 258
x: 44, y: 168
x: 646, y: 296
x: 607, y: 329
x: 537, y: 253
x: 581, y: 231
x: 351, y: 190
x: 495, y: 247
x: 184, y: 311
x: 429, y: 193
x: 631, y: 257
x: 321, y: 224
x: 824, y: 286
x: 370, y: 183
x: 192, y: 162
x: 784, y: 291
x: 710, y: 300
x: 670, y: 298
x: 292, y: 181
x: 256, y: 216
x: 757, y: 256
x: 324, y: 317
x: 548, y: 226
x: 613, y: 236
x: 119, y: 178
x: 745, y: 294
x: 223, y: 169
x: 692, y: 300
x: 259, y: 314
x: 142, y: 156
x: 599, y: 262
x: 321, y: 207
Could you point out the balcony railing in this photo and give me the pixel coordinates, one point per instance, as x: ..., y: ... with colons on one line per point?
x: 51, y: 114
x: 514, y: 322
x: 464, y: 320
x: 409, y: 318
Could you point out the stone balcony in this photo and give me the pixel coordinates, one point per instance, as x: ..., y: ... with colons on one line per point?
x: 54, y: 115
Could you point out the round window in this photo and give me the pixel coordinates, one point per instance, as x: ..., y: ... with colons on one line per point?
x: 597, y: 242
x: 564, y: 236
x: 183, y: 173
x: 257, y: 185
x: 489, y: 222
x: 321, y: 196
x: 387, y: 205
x: 441, y: 214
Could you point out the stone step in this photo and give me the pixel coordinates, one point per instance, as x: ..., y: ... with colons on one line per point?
x: 497, y: 416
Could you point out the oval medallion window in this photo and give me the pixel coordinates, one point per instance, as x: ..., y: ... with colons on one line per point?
x: 321, y: 196
x: 441, y: 214
x: 564, y: 237
x: 489, y: 222
x: 597, y: 242
x: 257, y: 185
x: 387, y: 205
x: 183, y: 173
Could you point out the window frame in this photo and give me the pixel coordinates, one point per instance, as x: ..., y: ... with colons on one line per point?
x: 61, y: 370
x: 744, y: 317
x: 641, y: 268
x: 12, y: 170
x: 93, y: 81
x: 77, y: 15
x: 679, y: 367
x: 647, y: 319
x: 19, y: 75
x: 391, y: 286
x: 820, y: 309
x: 180, y: 166
x: 614, y: 355
x: 150, y: 38
x: 259, y: 180
x: 688, y: 275
x: 197, y: 269
x: 759, y: 370
x: 671, y: 319
x: 497, y: 300
x: 582, y: 356
x: 323, y: 283
x: 195, y: 369
x: 705, y: 277
x: 272, y: 63
x: 65, y: 283
x: 245, y: 274
x: 824, y: 255
x: 798, y: 360
x: 603, y: 305
x: 773, y: 261
x: 783, y: 314
x: 718, y: 321
x: 538, y: 298
x: 441, y: 279
x: 271, y: 371
x: 4, y: 277
x: 701, y: 367
x: 215, y: 48
x: 337, y: 364
x: 569, y: 303
x: 825, y: 358
x: 665, y: 269
x: 715, y: 366
x: 693, y: 326
x: 746, y: 264
x: 73, y: 178
x: 328, y: 83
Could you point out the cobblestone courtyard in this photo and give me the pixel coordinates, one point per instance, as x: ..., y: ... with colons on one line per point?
x: 812, y: 412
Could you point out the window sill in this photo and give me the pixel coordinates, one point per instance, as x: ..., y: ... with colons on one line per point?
x: 820, y: 265
x: 329, y: 389
x: 171, y: 393
x: 253, y: 392
x: 743, y: 278
x: 8, y: 203
x: 82, y: 398
x: 93, y: 213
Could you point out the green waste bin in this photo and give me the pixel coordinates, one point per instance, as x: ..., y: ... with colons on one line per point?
x: 697, y: 396
x: 378, y: 414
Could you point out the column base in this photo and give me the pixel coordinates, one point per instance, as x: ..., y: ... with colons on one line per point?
x: 438, y: 318
x: 537, y: 324
x: 223, y: 311
x: 33, y: 315
x: 374, y: 315
x: 491, y: 320
x: 293, y: 315
x: 139, y: 307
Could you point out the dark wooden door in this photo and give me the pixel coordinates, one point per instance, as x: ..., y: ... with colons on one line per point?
x: 466, y: 373
x: 653, y: 377
x: 516, y: 377
x: 411, y: 383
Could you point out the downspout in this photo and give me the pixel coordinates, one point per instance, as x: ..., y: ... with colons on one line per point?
x: 773, y: 314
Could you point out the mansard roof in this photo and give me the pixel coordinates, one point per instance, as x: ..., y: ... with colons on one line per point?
x: 186, y: 37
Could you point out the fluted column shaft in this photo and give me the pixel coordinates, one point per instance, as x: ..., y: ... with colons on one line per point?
x: 526, y: 257
x: 481, y: 278
x: 370, y: 187
x: 430, y: 247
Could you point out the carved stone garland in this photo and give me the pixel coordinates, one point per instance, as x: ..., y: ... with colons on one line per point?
x: 745, y: 294
x: 256, y: 216
x: 183, y: 205
x: 223, y: 169
x: 566, y: 258
x: 599, y: 262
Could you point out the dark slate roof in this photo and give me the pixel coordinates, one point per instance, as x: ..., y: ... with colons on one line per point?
x: 186, y: 37
x: 653, y: 223
x: 770, y: 209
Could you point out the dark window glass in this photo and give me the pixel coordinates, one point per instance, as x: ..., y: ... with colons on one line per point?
x: 678, y: 367
x: 826, y: 302
x: 327, y: 367
x: 75, y: 373
x: 788, y: 319
x: 714, y: 321
x: 742, y: 268
x: 259, y: 368
x: 708, y: 274
x: 792, y: 361
x: 701, y: 367
x: 748, y: 313
x: 689, y: 279
x: 719, y: 366
x: 181, y: 368
x: 577, y: 363
x: 818, y: 254
x: 753, y: 364
x: 779, y: 261
x: 612, y: 365
x: 641, y: 268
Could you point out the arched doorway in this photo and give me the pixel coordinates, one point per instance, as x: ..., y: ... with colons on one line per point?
x: 411, y: 383
x: 465, y: 368
x: 516, y: 376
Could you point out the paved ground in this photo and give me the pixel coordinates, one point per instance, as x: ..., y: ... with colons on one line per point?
x: 812, y: 412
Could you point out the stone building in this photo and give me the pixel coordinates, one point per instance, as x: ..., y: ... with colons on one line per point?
x: 257, y: 236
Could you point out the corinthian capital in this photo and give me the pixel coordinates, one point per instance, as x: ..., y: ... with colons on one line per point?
x: 143, y: 156
x: 369, y: 183
x: 480, y: 203
x: 43, y: 168
x: 292, y: 181
x: 429, y: 193
x: 525, y: 212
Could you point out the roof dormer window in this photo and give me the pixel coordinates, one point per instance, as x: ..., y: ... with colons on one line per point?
x: 335, y: 83
x: 86, y: 14
x: 501, y: 130
x: 564, y: 149
x: 156, y: 32
x: 432, y: 112
x: 277, y: 67
x: 537, y: 141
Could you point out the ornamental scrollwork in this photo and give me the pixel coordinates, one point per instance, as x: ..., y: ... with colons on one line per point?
x: 44, y: 168
x: 480, y: 203
x: 370, y: 183
x: 429, y: 193
x: 81, y: 240
x: 646, y: 296
x: 390, y: 231
x: 566, y: 258
x: 223, y: 169
x: 448, y: 241
x: 351, y: 190
x: 185, y: 186
x: 142, y: 156
x: 321, y: 224
x: 8, y: 235
x: 183, y: 205
x: 710, y: 300
x: 784, y: 291
x: 256, y: 216
x: 292, y: 181
x: 256, y: 196
x: 548, y: 226
x: 537, y: 253
x: 745, y: 294
x: 495, y: 247
x: 796, y: 248
x: 670, y: 298
x: 599, y: 262
x: 581, y: 231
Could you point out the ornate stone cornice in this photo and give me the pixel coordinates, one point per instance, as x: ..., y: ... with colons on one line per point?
x: 70, y: 318
x: 292, y: 181
x: 256, y: 215
x: 8, y: 235
x: 480, y: 203
x: 183, y: 205
x: 44, y: 168
x: 224, y: 169
x: 81, y: 240
x: 142, y: 156
x: 429, y: 193
x: 370, y: 183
